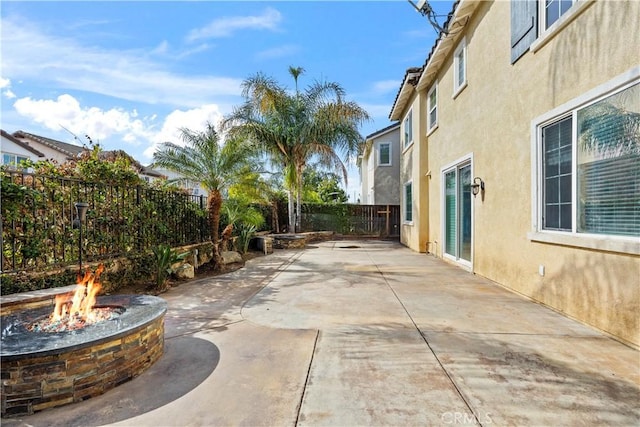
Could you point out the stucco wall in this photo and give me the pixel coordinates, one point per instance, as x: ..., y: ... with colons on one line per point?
x: 491, y: 119
x: 8, y: 146
x: 413, y: 167
x: 386, y: 185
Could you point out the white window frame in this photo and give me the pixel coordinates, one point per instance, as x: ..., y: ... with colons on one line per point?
x: 406, y: 220
x: 542, y: 13
x: 380, y: 163
x: 462, y: 48
x: 456, y: 164
x: 546, y: 34
x: 14, y: 162
x: 611, y: 243
x: 407, y: 129
x: 431, y: 126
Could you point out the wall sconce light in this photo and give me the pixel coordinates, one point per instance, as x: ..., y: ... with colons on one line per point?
x: 477, y: 186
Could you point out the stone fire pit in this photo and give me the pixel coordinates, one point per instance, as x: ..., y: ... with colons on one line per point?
x: 41, y: 370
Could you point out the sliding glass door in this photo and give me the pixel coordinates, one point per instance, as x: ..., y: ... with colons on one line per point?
x: 457, y: 213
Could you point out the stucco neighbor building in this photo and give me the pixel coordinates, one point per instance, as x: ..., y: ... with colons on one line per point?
x: 15, y: 151
x: 536, y: 107
x: 380, y: 167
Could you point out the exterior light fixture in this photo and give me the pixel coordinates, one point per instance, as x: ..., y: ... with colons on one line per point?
x: 477, y: 186
x: 81, y: 216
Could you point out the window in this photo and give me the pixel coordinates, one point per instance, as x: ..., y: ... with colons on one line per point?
x: 408, y: 129
x: 408, y: 202
x: 534, y: 23
x: 384, y: 154
x: 557, y: 172
x: 590, y: 167
x: 12, y: 159
x: 460, y: 67
x: 432, y: 107
x: 552, y: 10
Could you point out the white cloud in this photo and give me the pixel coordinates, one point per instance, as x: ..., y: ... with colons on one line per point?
x: 385, y: 86
x: 194, y: 119
x: 225, y: 27
x: 65, y: 111
x: 4, y: 83
x: 28, y: 53
x: 278, y: 52
x: 116, y: 125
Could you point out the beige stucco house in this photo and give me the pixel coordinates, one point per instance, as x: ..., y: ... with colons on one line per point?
x: 534, y: 106
x: 380, y: 167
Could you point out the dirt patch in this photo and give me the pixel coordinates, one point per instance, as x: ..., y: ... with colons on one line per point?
x: 204, y: 271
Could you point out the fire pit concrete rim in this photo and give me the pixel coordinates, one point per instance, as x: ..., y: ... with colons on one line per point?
x: 18, y: 342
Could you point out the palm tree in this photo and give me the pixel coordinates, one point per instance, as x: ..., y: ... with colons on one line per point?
x: 205, y: 160
x: 292, y: 129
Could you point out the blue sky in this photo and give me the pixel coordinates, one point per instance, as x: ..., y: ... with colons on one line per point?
x: 129, y: 74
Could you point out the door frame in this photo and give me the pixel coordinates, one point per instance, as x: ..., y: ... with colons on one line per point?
x: 466, y: 160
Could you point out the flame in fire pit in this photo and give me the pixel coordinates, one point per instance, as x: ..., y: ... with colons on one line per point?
x: 82, y: 300
x: 76, y: 309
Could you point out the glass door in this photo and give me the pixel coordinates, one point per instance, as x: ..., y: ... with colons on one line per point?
x: 457, y: 213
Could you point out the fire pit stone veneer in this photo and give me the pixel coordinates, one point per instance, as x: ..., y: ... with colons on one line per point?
x: 41, y: 370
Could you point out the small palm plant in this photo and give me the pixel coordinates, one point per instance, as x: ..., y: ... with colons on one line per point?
x: 165, y: 259
x: 245, y: 233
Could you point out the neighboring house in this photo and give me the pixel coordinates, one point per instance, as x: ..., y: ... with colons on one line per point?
x: 61, y: 152
x: 15, y: 151
x: 380, y: 167
x: 194, y: 188
x: 150, y: 175
x: 536, y: 106
x: 52, y: 149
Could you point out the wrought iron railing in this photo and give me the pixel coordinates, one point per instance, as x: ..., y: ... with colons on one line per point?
x: 40, y: 224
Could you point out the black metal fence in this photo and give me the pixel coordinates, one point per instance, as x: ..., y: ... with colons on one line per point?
x: 351, y: 219
x: 38, y: 214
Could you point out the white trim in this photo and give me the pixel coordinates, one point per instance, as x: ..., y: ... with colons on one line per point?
x: 611, y: 243
x: 404, y: 203
x: 466, y: 159
x: 462, y: 46
x: 405, y: 144
x: 621, y: 244
x: 380, y: 144
x: 432, y: 126
x: 547, y: 34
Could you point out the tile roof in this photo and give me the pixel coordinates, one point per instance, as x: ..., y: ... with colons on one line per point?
x: 21, y: 143
x: 382, y: 131
x: 70, y: 150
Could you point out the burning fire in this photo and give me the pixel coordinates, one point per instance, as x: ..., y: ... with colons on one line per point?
x: 82, y: 299
x: 76, y: 309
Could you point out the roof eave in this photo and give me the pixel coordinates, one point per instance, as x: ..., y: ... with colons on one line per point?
x: 463, y: 12
x: 401, y: 102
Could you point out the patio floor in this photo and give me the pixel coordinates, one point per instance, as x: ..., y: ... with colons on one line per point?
x: 351, y: 333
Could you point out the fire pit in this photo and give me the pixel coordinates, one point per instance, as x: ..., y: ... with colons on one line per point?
x: 47, y: 363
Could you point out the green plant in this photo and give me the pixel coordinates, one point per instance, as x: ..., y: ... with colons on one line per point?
x: 165, y: 259
x: 245, y: 233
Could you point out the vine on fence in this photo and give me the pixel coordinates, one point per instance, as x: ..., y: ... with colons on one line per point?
x: 126, y: 215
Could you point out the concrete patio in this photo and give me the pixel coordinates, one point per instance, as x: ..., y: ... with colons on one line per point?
x: 355, y: 333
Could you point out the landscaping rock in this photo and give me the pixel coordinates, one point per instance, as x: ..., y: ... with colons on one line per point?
x: 186, y: 271
x: 230, y: 257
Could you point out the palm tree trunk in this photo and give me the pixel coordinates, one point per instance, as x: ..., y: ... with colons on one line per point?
x: 299, y: 170
x: 214, y: 204
x: 291, y: 210
x: 299, y: 203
